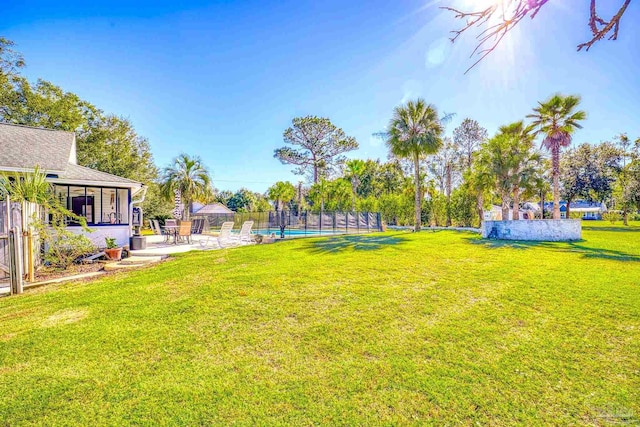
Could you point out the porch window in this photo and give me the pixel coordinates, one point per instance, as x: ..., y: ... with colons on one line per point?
x: 100, y: 206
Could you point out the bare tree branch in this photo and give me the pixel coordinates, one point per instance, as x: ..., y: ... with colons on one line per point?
x: 606, y: 27
x: 500, y: 18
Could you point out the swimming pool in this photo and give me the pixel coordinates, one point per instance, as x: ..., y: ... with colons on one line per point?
x: 294, y: 232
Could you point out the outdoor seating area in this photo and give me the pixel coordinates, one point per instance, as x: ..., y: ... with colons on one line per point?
x: 184, y: 236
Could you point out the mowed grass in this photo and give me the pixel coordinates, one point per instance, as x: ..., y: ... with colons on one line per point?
x: 396, y: 328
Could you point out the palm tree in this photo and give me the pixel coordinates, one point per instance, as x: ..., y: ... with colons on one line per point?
x: 508, y: 164
x: 189, y: 177
x: 480, y: 180
x: 355, y: 169
x: 415, y: 131
x: 494, y: 160
x: 557, y: 119
x: 280, y: 192
x: 523, y: 160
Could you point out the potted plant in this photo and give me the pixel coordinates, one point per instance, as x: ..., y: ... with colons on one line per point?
x: 113, y: 252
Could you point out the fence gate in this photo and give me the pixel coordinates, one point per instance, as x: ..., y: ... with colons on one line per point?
x: 11, y: 252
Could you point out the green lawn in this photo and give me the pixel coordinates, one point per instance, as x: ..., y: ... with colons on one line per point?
x: 394, y: 328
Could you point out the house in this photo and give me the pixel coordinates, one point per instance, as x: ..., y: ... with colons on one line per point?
x: 105, y: 200
x: 589, y: 210
x: 211, y: 209
x: 525, y: 212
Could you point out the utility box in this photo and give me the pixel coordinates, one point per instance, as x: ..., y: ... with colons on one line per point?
x: 137, y: 243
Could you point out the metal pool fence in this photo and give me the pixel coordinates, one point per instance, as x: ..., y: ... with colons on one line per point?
x: 293, y: 224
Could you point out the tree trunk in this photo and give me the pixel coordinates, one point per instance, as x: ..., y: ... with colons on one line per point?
x: 625, y: 217
x: 448, y: 190
x: 354, y: 189
x: 299, y: 197
x: 416, y: 161
x: 568, y: 212
x: 187, y: 211
x: 505, y: 207
x: 315, y: 170
x: 542, y: 205
x: 555, y: 160
x: 480, y: 206
x: 516, y: 203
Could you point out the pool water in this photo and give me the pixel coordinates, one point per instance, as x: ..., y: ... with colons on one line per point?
x: 295, y: 232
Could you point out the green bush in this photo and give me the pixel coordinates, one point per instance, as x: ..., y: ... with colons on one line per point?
x: 463, y: 208
x: 612, y: 216
x: 396, y: 209
x: 62, y: 247
x: 370, y: 204
x: 438, y: 210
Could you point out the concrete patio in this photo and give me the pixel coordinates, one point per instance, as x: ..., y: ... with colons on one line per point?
x: 156, y: 245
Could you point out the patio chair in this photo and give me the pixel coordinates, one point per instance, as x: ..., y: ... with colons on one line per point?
x: 245, y: 233
x: 196, y: 227
x: 224, y: 236
x: 184, y: 231
x: 156, y: 227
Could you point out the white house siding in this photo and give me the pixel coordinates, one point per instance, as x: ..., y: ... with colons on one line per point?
x: 120, y: 232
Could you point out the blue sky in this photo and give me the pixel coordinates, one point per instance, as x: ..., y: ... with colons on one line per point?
x: 224, y: 79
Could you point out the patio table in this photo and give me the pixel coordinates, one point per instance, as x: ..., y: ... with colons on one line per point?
x: 172, y: 230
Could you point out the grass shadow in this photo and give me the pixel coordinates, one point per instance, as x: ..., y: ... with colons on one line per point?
x: 571, y: 247
x: 513, y: 244
x: 353, y: 242
x: 601, y: 253
x: 630, y: 229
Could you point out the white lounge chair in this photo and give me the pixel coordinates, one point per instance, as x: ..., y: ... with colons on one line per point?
x: 224, y: 236
x: 245, y: 233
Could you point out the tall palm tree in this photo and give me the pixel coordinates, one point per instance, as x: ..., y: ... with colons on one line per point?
x: 189, y: 177
x: 557, y: 119
x: 280, y: 192
x: 415, y: 130
x: 354, y: 170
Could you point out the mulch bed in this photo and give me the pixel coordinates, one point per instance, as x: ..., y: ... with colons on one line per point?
x: 49, y: 273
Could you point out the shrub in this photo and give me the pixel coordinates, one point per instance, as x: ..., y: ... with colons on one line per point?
x: 369, y: 204
x: 612, y: 216
x: 396, y: 209
x: 463, y: 205
x: 438, y: 214
x: 62, y: 247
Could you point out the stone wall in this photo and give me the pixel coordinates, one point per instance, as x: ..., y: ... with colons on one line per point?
x: 552, y: 230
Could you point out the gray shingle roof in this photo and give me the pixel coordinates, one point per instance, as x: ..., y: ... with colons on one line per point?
x: 24, y: 147
x: 81, y: 173
x: 214, y: 208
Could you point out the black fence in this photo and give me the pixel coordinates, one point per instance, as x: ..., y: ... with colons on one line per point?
x: 293, y: 224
